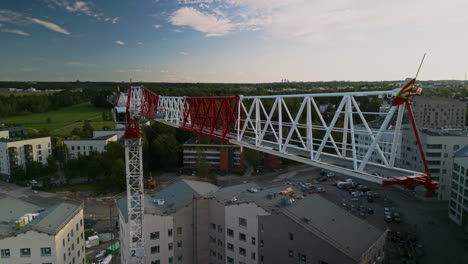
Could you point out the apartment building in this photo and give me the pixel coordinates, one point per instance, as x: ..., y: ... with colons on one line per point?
x: 439, y: 113
x: 35, y: 234
x: 458, y: 205
x: 170, y: 217
x: 221, y: 157
x: 363, y: 141
x: 86, y: 146
x: 20, y: 151
x: 439, y: 146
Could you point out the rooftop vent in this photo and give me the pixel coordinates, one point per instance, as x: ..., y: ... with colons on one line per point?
x: 160, y: 202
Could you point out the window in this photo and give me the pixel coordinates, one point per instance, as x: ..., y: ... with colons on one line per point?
x: 253, y: 240
x: 169, y: 232
x: 179, y: 230
x: 25, y: 252
x: 242, y: 237
x: 155, y: 250
x: 242, y: 251
x: 290, y: 253
x: 212, y: 240
x: 39, y: 146
x: 171, y: 259
x: 254, y: 255
x: 291, y: 236
x: 45, y: 252
x: 170, y: 246
x: 212, y: 253
x: 213, y: 226
x: 91, y: 148
x: 76, y: 226
x: 72, y: 233
x: 179, y: 244
x: 230, y: 246
x: 154, y: 235
x: 261, y: 243
x: 5, y: 253
x: 220, y: 229
x: 242, y: 222
x: 230, y: 232
x: 230, y: 260
x: 78, y: 148
x: 302, y: 257
x: 220, y: 256
x: 156, y: 261
x: 73, y: 148
x: 220, y: 243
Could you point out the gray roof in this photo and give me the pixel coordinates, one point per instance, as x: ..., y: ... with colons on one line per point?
x: 462, y: 152
x: 350, y: 234
x: 51, y: 219
x: 238, y: 191
x: 175, y: 196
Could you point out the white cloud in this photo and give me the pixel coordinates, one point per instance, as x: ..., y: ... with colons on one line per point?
x: 119, y: 42
x: 177, y: 30
x: 115, y: 20
x: 157, y: 26
x: 164, y: 71
x: 139, y: 43
x: 183, y: 53
x: 14, y: 31
x: 26, y: 69
x: 50, y: 25
x: 210, y: 24
x: 10, y: 16
x: 73, y: 63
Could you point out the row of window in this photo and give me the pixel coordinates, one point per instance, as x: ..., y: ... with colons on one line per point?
x: 170, y: 247
x: 26, y: 252
x: 155, y: 235
x: 170, y: 260
x: 91, y: 148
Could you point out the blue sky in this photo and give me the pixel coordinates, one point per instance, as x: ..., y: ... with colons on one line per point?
x: 231, y: 40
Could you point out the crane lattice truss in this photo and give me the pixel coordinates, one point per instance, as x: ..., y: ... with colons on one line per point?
x: 319, y: 129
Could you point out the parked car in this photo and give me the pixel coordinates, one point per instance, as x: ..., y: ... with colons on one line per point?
x: 355, y: 199
x: 386, y: 210
x: 396, y: 217
x: 320, y: 190
x: 388, y: 217
x: 357, y: 194
x: 330, y: 174
x: 370, y: 210
x: 322, y: 179
x: 370, y: 199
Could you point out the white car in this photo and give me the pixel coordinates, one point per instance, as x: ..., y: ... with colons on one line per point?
x: 330, y: 174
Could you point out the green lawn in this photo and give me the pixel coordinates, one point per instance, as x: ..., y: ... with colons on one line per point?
x: 63, y: 120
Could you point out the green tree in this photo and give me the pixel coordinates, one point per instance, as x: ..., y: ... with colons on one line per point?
x: 253, y: 157
x: 87, y: 130
x: 48, y: 120
x: 202, y: 166
x: 117, y: 178
x: 164, y: 150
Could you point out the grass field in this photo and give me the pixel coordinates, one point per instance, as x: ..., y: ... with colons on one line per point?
x: 21, y: 94
x: 63, y: 120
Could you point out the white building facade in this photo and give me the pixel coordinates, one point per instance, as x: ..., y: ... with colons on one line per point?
x: 86, y: 146
x: 458, y: 205
x: 19, y: 152
x: 363, y: 142
x: 55, y: 236
x: 439, y: 146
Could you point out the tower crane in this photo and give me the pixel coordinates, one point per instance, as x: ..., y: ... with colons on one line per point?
x: 291, y: 126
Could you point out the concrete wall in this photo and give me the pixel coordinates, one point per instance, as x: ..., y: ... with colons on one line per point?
x: 458, y: 202
x: 41, y: 150
x: 36, y: 240
x: 250, y: 212
x: 183, y: 239
x: 4, y: 134
x: 216, y: 251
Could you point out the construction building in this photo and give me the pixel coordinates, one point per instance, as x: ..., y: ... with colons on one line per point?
x: 439, y: 145
x: 85, y: 146
x: 439, y: 113
x: 169, y: 218
x: 458, y: 205
x: 248, y: 224
x: 20, y: 151
x: 34, y: 234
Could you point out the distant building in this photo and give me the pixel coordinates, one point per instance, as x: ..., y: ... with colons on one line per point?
x: 20, y: 151
x: 100, y: 133
x: 34, y: 234
x: 439, y: 146
x: 4, y: 134
x: 86, y: 146
x: 439, y: 113
x: 14, y: 131
x: 175, y: 224
x: 10, y: 90
x: 458, y: 205
x: 220, y: 157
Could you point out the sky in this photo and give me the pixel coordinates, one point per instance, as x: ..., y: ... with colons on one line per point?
x: 232, y: 40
